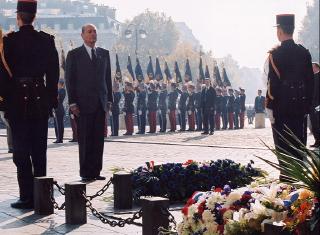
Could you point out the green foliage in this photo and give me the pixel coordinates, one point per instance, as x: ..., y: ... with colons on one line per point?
x: 309, y: 35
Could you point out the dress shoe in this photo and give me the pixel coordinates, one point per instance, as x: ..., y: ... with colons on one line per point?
x: 87, y: 179
x: 211, y: 133
x: 172, y: 131
x: 57, y: 142
x: 99, y: 177
x: 22, y: 204
x: 205, y: 133
x: 73, y: 140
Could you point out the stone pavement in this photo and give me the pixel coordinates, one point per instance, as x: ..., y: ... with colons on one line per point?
x: 121, y: 152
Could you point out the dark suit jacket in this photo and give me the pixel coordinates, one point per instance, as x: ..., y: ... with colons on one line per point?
x: 89, y: 85
x: 208, y: 98
x: 259, y: 104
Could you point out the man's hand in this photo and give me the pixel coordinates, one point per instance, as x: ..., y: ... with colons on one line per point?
x: 75, y: 110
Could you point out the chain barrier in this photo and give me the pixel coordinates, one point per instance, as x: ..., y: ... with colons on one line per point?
x: 53, y: 200
x: 172, y: 221
x: 101, y: 191
x: 117, y: 221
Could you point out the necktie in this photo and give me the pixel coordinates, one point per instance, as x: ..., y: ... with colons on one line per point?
x: 93, y: 56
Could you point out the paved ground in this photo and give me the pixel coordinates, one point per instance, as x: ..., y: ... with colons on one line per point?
x: 127, y: 152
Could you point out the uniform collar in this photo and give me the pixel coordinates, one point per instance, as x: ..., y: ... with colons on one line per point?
x: 287, y: 42
x: 26, y: 27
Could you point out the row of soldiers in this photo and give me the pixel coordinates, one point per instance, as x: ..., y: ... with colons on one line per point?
x: 203, y: 106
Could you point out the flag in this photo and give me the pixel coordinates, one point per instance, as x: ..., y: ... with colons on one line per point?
x: 217, y: 77
x: 118, y: 70
x: 150, y: 72
x: 201, y: 73
x: 158, y: 74
x: 130, y: 69
x: 207, y: 73
x: 138, y: 71
x: 226, y: 81
x: 188, y: 75
x: 167, y: 71
x: 177, y: 72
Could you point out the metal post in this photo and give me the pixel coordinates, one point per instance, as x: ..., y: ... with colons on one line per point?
x: 43, y: 188
x: 152, y: 214
x: 76, y: 212
x: 122, y: 190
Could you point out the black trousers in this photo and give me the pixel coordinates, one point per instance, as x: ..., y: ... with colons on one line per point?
x: 114, y: 123
x: 315, y: 120
x: 59, y: 126
x: 296, y: 125
x: 199, y: 119
x: 224, y: 119
x: 91, y: 142
x: 236, y: 120
x: 182, y: 119
x: 142, y: 119
x: 29, y: 139
x: 208, y: 120
x: 163, y: 119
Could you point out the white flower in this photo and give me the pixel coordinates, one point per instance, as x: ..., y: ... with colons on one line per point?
x: 207, y: 216
x: 192, y: 210
x: 232, y: 197
x: 228, y: 214
x: 214, y: 198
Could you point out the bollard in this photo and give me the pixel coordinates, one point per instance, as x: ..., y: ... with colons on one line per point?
x: 272, y: 229
x: 152, y: 215
x: 43, y: 187
x: 122, y: 190
x: 76, y: 211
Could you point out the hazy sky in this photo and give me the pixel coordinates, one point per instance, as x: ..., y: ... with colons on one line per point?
x: 242, y: 28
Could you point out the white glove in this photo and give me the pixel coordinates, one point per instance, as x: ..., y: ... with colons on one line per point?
x: 140, y: 112
x: 270, y: 115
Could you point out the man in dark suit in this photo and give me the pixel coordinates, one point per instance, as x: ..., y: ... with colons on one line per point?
x: 290, y: 86
x: 141, y: 108
x: 242, y: 107
x: 89, y: 85
x: 259, y: 103
x: 29, y: 74
x: 236, y: 110
x: 230, y: 109
x: 115, y: 109
x: 59, y: 113
x: 208, y: 98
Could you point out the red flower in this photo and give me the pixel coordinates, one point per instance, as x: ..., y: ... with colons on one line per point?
x: 185, y: 210
x: 219, y: 190
x: 220, y: 228
x: 188, y: 162
x: 245, y: 198
x: 201, y: 207
x: 223, y: 210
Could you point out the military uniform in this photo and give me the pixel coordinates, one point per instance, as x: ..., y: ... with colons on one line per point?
x: 208, y: 97
x: 242, y: 109
x: 129, y: 110
x: 182, y: 110
x: 197, y: 104
x: 152, y: 110
x: 141, y: 110
x: 219, y: 107
x: 224, y: 112
x: 30, y: 95
x: 115, y: 110
x: 230, y: 110
x: 172, y: 103
x: 236, y: 109
x: 290, y: 88
x: 162, y: 105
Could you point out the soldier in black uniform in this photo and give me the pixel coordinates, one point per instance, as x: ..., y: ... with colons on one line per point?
x: 172, y: 106
x: 208, y: 98
x: 128, y: 108
x: 29, y: 57
x: 183, y: 107
x: 290, y: 85
x: 141, y: 108
x: 162, y: 105
x: 152, y: 107
x: 115, y: 109
x: 197, y: 103
x: 191, y: 107
x: 230, y: 109
x: 59, y: 113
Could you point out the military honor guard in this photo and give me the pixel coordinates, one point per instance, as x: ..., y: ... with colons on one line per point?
x: 224, y: 110
x: 242, y: 107
x: 236, y: 110
x: 182, y: 106
x: 59, y: 113
x: 128, y: 108
x: 290, y: 87
x: 162, y: 106
x: 29, y: 74
x: 141, y: 107
x: 197, y: 105
x: 115, y: 109
x: 152, y: 107
x: 230, y: 109
x: 191, y: 107
x: 172, y: 106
